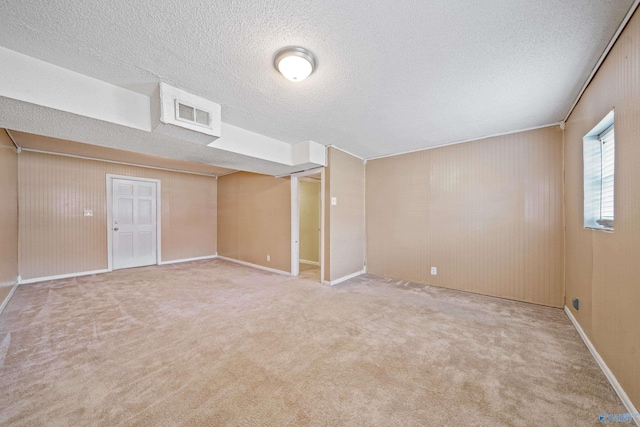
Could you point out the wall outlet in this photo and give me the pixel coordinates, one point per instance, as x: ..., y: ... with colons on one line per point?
x: 434, y: 271
x: 269, y: 258
x: 334, y: 201
x: 88, y: 212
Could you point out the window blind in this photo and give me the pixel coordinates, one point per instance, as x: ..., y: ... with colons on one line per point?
x: 607, y: 144
x: 598, y: 155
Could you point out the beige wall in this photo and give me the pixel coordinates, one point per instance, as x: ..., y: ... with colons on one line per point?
x: 8, y: 213
x: 344, y: 222
x: 488, y: 214
x: 254, y: 219
x: 55, y: 237
x: 310, y: 221
x: 603, y: 269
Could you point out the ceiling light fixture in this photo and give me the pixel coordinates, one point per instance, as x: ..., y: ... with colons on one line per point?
x: 294, y: 63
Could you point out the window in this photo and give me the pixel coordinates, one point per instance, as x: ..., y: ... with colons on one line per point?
x: 599, y: 171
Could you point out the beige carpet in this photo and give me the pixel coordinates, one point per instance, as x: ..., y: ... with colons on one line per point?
x: 310, y: 272
x: 215, y: 343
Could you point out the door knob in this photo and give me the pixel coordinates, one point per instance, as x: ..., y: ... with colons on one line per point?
x: 115, y: 229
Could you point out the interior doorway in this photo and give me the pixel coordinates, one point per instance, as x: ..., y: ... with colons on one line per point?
x: 132, y: 222
x: 307, y: 225
x: 309, y: 196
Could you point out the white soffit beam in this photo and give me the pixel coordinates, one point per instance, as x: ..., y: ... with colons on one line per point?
x: 252, y: 144
x: 165, y: 120
x: 27, y: 79
x: 242, y: 141
x: 36, y: 82
x: 309, y: 152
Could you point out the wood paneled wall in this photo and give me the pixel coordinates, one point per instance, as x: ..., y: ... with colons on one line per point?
x: 55, y: 237
x: 8, y: 213
x: 602, y: 268
x: 310, y: 221
x: 487, y: 214
x: 254, y: 219
x: 344, y: 222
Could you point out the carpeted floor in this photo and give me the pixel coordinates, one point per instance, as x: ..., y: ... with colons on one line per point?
x: 309, y: 272
x: 214, y: 343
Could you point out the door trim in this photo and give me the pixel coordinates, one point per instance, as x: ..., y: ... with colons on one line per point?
x: 295, y: 221
x: 110, y: 178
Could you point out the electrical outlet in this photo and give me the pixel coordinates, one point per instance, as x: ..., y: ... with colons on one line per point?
x: 88, y: 212
x: 269, y: 258
x: 434, y: 271
x: 334, y: 201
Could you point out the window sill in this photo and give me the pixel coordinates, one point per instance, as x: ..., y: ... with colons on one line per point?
x: 605, y: 229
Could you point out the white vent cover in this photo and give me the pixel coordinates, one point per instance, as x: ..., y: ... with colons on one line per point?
x: 183, y: 115
x: 190, y: 114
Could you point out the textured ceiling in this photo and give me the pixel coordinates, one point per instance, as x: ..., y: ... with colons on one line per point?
x: 34, y: 119
x: 391, y: 76
x: 61, y: 146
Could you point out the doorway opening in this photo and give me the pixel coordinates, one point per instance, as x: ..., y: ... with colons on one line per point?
x: 307, y: 225
x: 133, y: 222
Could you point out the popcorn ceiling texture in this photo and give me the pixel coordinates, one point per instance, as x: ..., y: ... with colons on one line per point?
x: 214, y: 343
x: 391, y: 76
x: 46, y: 121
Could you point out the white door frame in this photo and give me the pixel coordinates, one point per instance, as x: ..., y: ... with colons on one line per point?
x: 295, y: 221
x: 110, y: 178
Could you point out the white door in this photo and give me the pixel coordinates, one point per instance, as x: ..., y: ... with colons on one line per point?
x: 134, y: 223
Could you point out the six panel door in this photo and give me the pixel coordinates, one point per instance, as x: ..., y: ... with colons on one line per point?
x: 134, y: 223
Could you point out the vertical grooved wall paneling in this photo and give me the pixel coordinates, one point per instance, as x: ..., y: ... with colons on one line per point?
x: 55, y: 236
x: 487, y: 214
x: 327, y: 218
x: 8, y: 214
x: 254, y: 219
x: 345, y: 220
x: 603, y: 268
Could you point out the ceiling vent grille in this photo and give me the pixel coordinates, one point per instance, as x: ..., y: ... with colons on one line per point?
x: 182, y: 115
x: 190, y: 114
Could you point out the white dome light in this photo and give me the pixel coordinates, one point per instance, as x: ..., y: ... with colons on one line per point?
x: 295, y: 63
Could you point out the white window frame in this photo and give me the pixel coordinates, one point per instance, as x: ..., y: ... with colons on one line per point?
x: 594, y: 191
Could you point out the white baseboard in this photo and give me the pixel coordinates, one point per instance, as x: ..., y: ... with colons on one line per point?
x: 631, y: 409
x: 62, y: 276
x: 248, y: 264
x: 6, y: 300
x: 175, y: 261
x: 345, y: 278
x: 305, y: 261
